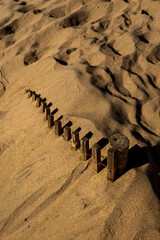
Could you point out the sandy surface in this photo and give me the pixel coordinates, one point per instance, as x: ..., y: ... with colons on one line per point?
x: 98, y: 62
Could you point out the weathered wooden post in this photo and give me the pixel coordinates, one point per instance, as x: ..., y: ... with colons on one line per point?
x: 111, y: 164
x: 96, y: 157
x: 38, y: 101
x: 47, y: 112
x: 58, y: 128
x: 33, y: 96
x: 29, y: 94
x: 75, y: 140
x: 67, y: 133
x: 85, y: 148
x: 120, y: 143
x: 43, y: 106
x: 50, y: 121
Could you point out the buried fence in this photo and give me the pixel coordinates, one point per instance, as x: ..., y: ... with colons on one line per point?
x: 117, y: 155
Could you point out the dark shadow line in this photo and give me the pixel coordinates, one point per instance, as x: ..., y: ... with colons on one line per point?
x: 150, y: 61
x: 54, y: 111
x: 68, y: 124
x: 138, y: 136
x: 77, y: 130
x: 143, y: 39
x: 61, y: 61
x: 60, y: 118
x: 49, y: 105
x: 138, y: 118
x: 113, y: 50
x: 141, y: 79
x: 103, y: 142
x: 89, y: 135
x: 151, y: 82
x: 4, y: 87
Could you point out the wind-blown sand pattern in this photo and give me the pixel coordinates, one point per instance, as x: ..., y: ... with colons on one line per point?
x: 98, y: 62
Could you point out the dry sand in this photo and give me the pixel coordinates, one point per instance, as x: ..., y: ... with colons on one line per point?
x: 98, y: 62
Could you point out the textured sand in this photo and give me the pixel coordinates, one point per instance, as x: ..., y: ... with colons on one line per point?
x: 98, y: 62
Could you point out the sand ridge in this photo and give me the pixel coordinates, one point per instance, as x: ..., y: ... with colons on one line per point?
x: 98, y: 62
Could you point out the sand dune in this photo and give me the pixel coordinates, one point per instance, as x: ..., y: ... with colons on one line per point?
x: 97, y: 62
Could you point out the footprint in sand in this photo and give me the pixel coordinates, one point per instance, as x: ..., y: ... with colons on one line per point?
x: 58, y: 12
x: 30, y: 57
x: 154, y: 56
x: 26, y: 9
x: 7, y: 30
x: 23, y: 3
x: 77, y: 18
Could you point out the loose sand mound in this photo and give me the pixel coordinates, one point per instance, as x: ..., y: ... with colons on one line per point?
x: 98, y: 62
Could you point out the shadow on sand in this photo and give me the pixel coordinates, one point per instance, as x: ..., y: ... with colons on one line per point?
x: 139, y: 156
x: 154, y: 168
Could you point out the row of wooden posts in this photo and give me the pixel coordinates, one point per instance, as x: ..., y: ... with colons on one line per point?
x: 117, y: 155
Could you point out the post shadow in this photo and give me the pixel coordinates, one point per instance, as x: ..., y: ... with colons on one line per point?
x: 89, y: 135
x: 104, y: 162
x: 27, y: 90
x: 77, y: 130
x: 137, y: 156
x: 54, y: 111
x: 60, y: 118
x: 154, y: 168
x: 103, y: 142
x: 90, y: 152
x: 68, y: 124
x: 50, y: 104
x: 44, y: 99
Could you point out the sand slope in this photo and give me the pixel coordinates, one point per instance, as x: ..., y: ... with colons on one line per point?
x: 98, y: 62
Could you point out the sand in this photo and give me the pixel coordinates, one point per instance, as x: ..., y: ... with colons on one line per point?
x: 98, y: 62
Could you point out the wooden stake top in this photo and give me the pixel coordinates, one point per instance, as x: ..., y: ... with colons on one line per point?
x: 119, y: 141
x: 84, y: 139
x: 96, y: 146
x: 67, y: 128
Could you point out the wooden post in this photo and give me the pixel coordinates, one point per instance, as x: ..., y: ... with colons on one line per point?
x: 50, y: 120
x: 29, y: 94
x: 96, y: 153
x: 121, y: 144
x: 38, y: 102
x: 47, y: 112
x: 43, y: 106
x: 85, y: 148
x: 27, y: 90
x: 67, y: 133
x: 111, y: 174
x: 75, y: 140
x: 111, y: 164
x: 97, y: 167
x: 96, y: 157
x: 33, y: 97
x: 122, y: 161
x: 58, y: 128
x: 111, y: 158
